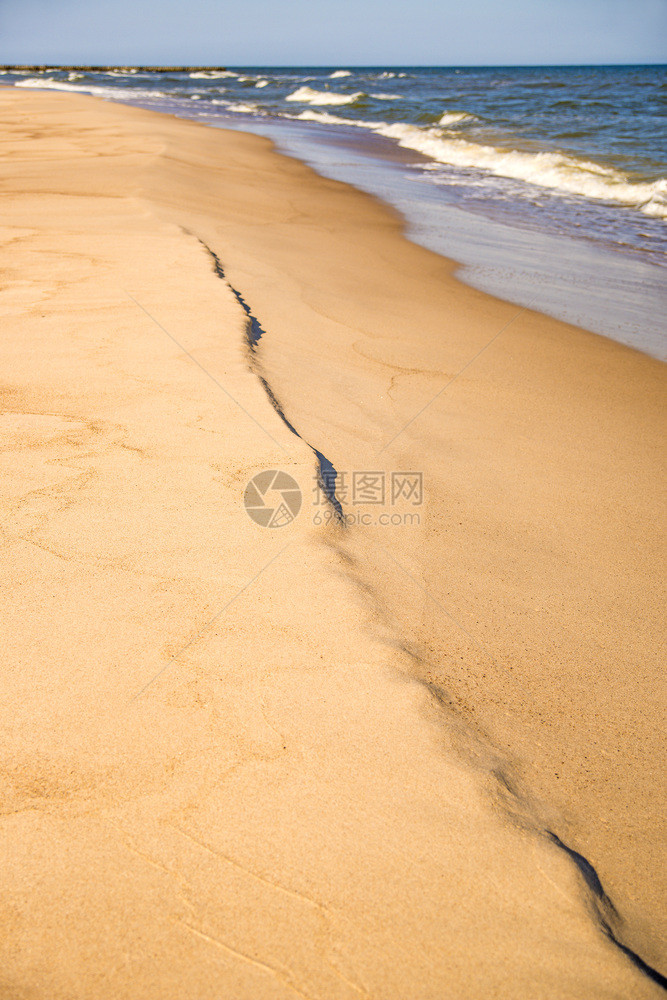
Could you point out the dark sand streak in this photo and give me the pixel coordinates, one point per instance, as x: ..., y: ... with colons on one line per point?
x: 327, y: 474
x: 603, y: 909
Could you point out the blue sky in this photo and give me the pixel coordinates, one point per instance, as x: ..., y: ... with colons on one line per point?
x: 333, y: 32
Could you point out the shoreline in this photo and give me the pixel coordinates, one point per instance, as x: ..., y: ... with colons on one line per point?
x: 577, y: 259
x: 493, y: 252
x: 350, y: 309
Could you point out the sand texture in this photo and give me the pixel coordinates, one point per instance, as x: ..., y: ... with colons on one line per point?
x: 395, y: 761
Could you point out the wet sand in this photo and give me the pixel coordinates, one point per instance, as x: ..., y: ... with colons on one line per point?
x: 387, y: 759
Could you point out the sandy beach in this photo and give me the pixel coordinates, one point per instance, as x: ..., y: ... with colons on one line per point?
x: 416, y: 755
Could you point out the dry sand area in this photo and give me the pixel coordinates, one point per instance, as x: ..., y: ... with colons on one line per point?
x: 393, y: 761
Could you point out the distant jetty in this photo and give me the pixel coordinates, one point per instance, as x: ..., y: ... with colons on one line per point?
x: 126, y: 69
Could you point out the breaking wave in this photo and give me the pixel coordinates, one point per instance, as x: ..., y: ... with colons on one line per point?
x: 205, y: 74
x: 240, y: 108
x: 456, y: 117
x: 48, y: 83
x: 306, y: 95
x: 556, y: 171
x: 324, y: 118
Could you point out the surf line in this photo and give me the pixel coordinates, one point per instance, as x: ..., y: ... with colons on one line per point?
x: 327, y: 474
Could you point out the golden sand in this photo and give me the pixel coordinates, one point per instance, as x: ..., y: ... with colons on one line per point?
x: 409, y: 760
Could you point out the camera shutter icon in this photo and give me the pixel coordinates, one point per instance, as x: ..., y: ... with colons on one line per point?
x: 272, y: 498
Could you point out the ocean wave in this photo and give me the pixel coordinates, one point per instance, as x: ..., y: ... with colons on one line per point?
x: 261, y: 83
x: 111, y: 93
x: 240, y: 108
x: 656, y: 206
x: 324, y: 118
x: 556, y: 171
x: 205, y: 74
x: 48, y: 83
x: 42, y: 81
x: 387, y: 97
x: 338, y: 73
x: 306, y: 95
x: 455, y: 117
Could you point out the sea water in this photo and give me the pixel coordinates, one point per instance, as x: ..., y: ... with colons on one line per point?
x: 549, y: 184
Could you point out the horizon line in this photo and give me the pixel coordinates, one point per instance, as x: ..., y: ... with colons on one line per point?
x: 183, y: 66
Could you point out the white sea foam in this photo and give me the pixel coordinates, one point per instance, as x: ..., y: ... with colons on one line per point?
x: 205, y: 74
x: 455, y: 117
x: 324, y: 118
x: 337, y: 73
x: 48, y: 83
x: 386, y: 97
x: 112, y: 93
x: 306, y: 95
x: 556, y: 171
x: 41, y: 81
x: 261, y: 83
x: 657, y: 203
x: 244, y: 109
